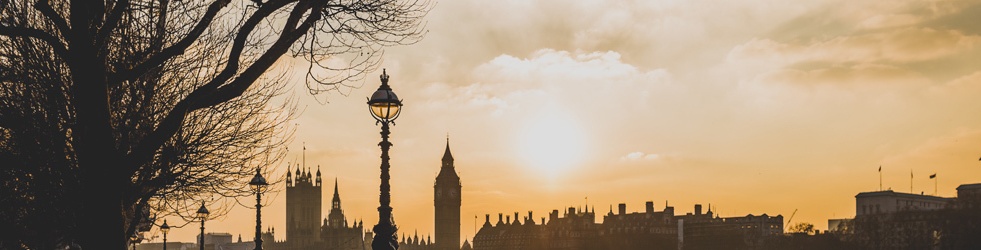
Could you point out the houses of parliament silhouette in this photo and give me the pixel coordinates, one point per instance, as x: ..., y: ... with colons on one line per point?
x: 306, y: 229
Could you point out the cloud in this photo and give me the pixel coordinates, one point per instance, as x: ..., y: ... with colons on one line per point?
x: 858, y: 42
x: 634, y: 156
x: 511, y: 84
x: 846, y: 75
x: 896, y: 46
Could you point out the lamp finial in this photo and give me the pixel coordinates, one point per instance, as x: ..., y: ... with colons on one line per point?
x: 384, y: 77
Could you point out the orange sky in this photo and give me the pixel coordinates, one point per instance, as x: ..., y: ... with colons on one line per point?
x: 753, y: 106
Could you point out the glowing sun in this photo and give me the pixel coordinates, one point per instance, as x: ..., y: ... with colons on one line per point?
x: 552, y: 143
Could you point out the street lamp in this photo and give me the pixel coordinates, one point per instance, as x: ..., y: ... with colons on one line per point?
x: 132, y: 240
x: 258, y: 184
x: 164, y: 229
x: 202, y: 215
x: 385, y: 108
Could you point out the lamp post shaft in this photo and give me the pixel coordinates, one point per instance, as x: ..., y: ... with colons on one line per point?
x: 385, y: 231
x: 202, y: 234
x: 165, y: 241
x: 258, y: 219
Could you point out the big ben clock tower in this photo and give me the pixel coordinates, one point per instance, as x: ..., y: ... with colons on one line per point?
x: 447, y: 202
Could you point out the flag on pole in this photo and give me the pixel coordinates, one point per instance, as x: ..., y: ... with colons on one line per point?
x: 934, y: 175
x: 880, y: 177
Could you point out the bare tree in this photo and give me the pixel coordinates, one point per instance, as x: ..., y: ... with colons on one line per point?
x: 802, y: 228
x: 112, y: 106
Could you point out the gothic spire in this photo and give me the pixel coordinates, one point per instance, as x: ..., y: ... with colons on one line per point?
x: 337, y: 196
x: 447, y: 156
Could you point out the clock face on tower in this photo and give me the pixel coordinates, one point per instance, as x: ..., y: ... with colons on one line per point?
x: 439, y: 193
x: 453, y: 193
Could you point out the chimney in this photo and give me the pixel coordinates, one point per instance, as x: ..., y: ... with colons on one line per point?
x: 500, y: 217
x: 698, y: 209
x: 650, y: 207
x: 554, y: 215
x: 622, y: 208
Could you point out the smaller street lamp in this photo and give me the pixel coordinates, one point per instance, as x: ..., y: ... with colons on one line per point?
x: 202, y: 215
x: 258, y: 185
x: 165, y: 229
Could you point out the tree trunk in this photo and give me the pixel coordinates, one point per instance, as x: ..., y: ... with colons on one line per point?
x: 103, y: 179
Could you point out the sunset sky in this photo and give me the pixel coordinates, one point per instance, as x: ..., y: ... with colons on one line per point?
x: 753, y: 106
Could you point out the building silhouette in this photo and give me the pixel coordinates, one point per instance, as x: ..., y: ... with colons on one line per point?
x: 650, y: 229
x: 416, y: 243
x: 895, y: 220
x: 447, y: 204
x: 888, y: 201
x: 306, y: 229
x: 336, y: 233
x: 303, y: 204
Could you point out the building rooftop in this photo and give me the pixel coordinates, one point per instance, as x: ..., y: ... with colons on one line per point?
x: 890, y: 193
x: 969, y: 186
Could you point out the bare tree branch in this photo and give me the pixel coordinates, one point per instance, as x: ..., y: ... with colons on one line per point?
x: 44, y: 6
x: 162, y: 104
x: 58, y: 47
x: 174, y: 50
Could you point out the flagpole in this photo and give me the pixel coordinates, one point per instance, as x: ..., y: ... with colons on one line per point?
x: 911, y: 181
x: 880, y: 177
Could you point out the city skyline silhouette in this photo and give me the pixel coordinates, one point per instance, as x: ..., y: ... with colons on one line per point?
x: 750, y: 107
x: 640, y: 123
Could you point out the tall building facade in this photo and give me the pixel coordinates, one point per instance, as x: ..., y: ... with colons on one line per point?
x: 447, y: 202
x: 303, y: 206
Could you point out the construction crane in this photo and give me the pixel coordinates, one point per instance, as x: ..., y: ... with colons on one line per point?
x: 788, y: 220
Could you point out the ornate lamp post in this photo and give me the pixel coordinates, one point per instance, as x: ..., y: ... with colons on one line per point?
x: 165, y: 229
x: 132, y: 240
x: 385, y: 108
x: 202, y: 215
x: 258, y: 184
